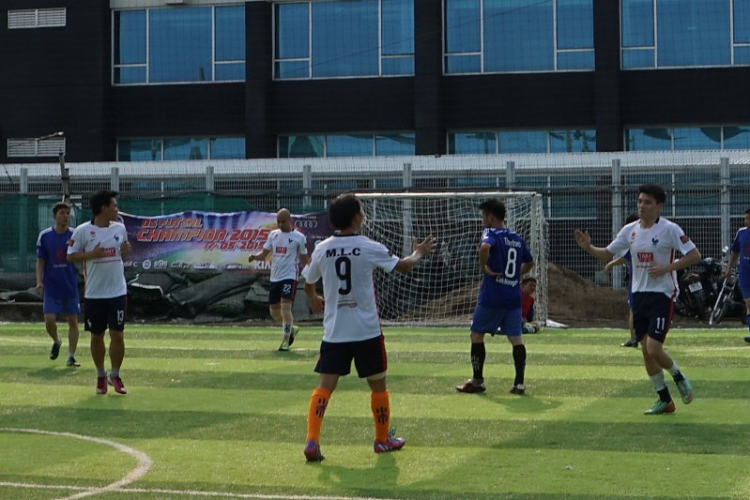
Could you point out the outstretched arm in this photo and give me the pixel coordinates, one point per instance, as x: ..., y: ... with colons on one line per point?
x: 420, y: 250
x: 583, y: 239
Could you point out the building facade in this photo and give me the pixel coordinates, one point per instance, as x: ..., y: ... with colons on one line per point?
x: 160, y: 80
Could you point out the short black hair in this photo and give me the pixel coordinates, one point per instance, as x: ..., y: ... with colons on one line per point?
x: 747, y: 211
x: 654, y: 190
x: 632, y: 218
x: 101, y: 199
x: 343, y: 210
x: 528, y: 279
x: 495, y: 207
x: 61, y: 205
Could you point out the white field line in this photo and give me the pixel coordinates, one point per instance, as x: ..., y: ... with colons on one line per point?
x: 193, y: 493
x: 144, y: 461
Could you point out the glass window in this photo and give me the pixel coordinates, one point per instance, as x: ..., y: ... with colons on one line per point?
x: 638, y: 58
x: 345, y: 38
x: 182, y: 148
x: 230, y: 33
x: 463, y: 64
x: 292, y: 30
x: 462, y: 26
x: 575, y: 60
x: 130, y: 74
x: 301, y: 146
x: 518, y: 36
x: 130, y: 37
x: 697, y: 138
x: 637, y: 23
x: 523, y: 142
x: 180, y: 62
x: 575, y: 24
x: 227, y: 148
x: 572, y: 141
x: 397, y: 65
x: 742, y: 55
x: 394, y: 145
x: 349, y: 145
x: 139, y: 150
x: 398, y: 27
x: 466, y: 143
x: 737, y: 137
x: 649, y: 139
x: 693, y: 32
x: 741, y: 21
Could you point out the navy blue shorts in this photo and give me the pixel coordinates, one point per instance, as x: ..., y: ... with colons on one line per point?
x: 284, y: 289
x: 494, y: 320
x: 369, y: 357
x: 68, y: 307
x: 101, y: 314
x: 652, y: 315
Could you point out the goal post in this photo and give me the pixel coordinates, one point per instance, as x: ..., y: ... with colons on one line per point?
x: 443, y: 288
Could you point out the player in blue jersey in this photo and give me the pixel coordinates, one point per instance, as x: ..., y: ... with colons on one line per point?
x: 627, y: 261
x: 503, y: 259
x: 741, y: 251
x: 56, y: 281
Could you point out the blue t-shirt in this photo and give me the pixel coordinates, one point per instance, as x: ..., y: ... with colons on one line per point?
x: 741, y: 245
x: 507, y: 252
x: 59, y: 278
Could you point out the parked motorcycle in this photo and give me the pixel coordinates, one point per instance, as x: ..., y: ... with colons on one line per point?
x: 699, y: 289
x: 729, y: 300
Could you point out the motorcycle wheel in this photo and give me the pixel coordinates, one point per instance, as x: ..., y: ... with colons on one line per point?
x: 721, y: 308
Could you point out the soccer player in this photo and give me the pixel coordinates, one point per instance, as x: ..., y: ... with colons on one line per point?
x: 56, y: 281
x: 351, y: 325
x: 288, y: 250
x: 741, y: 251
x: 528, y: 287
x: 503, y: 259
x: 626, y: 260
x: 652, y: 242
x: 100, y: 245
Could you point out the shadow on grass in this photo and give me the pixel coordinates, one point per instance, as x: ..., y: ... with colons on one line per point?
x: 383, y: 475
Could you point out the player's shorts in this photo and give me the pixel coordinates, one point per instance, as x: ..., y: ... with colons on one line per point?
x: 492, y: 320
x: 53, y: 305
x: 652, y: 315
x: 101, y: 314
x: 745, y: 291
x: 369, y: 357
x: 284, y: 289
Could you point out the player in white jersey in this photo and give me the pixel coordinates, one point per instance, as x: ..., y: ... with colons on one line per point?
x: 652, y: 242
x: 288, y: 249
x: 351, y: 325
x: 100, y: 245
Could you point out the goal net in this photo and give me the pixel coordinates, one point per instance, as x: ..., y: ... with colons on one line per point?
x: 444, y: 286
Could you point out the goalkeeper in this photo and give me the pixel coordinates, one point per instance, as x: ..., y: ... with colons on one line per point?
x: 528, y: 287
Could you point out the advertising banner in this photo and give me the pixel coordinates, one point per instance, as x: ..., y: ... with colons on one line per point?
x: 210, y: 241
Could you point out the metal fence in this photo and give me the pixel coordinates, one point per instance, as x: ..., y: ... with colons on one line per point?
x: 708, y: 191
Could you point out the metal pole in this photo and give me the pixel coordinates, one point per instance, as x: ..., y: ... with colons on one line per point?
x: 306, y: 187
x: 23, y: 218
x: 407, y: 208
x: 617, y: 217
x: 726, y: 204
x: 64, y: 177
x: 114, y: 179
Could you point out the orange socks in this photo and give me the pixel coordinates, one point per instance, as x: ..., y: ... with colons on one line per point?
x: 381, y: 412
x: 318, y: 404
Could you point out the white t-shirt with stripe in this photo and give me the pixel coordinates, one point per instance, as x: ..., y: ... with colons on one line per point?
x: 105, y: 277
x: 284, y: 248
x: 649, y: 247
x: 346, y: 263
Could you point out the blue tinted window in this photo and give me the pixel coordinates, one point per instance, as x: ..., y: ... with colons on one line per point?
x: 345, y: 38
x: 518, y: 36
x: 293, y: 69
x: 130, y: 74
x: 226, y: 148
x: 742, y: 21
x: 230, y: 33
x: 183, y: 148
x: 189, y: 59
x: 523, y: 142
x: 640, y: 58
x: 226, y: 72
x: 572, y: 141
x: 349, y: 145
x: 139, y: 150
x: 301, y: 146
x: 575, y: 24
x: 697, y: 138
x: 130, y: 37
x: 693, y: 32
x: 742, y: 55
x: 575, y: 60
x: 472, y: 143
x: 393, y: 145
x: 462, y: 26
x: 650, y: 139
x: 463, y: 64
x: 397, y: 65
x: 292, y: 30
x: 737, y: 137
x: 637, y: 23
x: 398, y: 27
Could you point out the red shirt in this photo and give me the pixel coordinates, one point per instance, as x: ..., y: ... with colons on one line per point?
x: 527, y: 307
